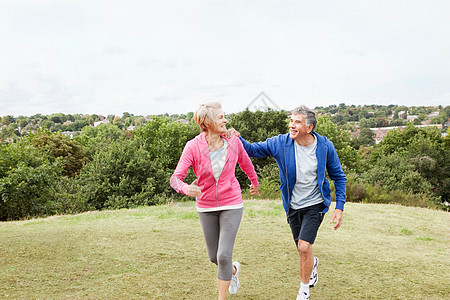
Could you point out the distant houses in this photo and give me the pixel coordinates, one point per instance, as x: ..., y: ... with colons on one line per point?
x: 411, y: 118
x: 70, y: 134
x: 433, y: 114
x: 104, y: 121
x: 381, y: 132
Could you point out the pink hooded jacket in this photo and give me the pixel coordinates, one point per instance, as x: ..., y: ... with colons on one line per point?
x: 226, y: 191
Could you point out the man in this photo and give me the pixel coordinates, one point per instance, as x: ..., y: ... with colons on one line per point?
x: 304, y: 157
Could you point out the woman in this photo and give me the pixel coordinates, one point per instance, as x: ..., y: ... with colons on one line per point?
x: 213, y: 158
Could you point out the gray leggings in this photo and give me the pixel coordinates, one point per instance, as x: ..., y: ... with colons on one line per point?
x: 220, y: 229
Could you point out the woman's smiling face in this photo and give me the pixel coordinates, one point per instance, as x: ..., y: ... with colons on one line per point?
x: 219, y: 125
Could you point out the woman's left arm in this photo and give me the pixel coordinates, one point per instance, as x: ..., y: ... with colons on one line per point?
x: 247, y: 166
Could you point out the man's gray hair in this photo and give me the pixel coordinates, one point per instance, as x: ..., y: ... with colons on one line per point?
x: 310, y: 115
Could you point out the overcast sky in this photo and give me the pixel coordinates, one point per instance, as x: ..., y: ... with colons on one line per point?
x: 151, y: 57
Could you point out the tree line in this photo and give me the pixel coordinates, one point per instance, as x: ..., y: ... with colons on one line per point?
x: 348, y: 117
x: 107, y: 167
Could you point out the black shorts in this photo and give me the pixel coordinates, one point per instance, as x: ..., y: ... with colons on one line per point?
x: 305, y: 222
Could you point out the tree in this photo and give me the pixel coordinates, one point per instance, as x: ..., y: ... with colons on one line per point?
x: 367, y: 123
x: 47, y: 124
x: 395, y: 172
x: 8, y: 132
x: 79, y: 125
x: 122, y: 175
x: 59, y: 146
x: 382, y: 122
x: 399, y: 122
x: 447, y: 140
x: 118, y: 122
x: 95, y: 118
x: 56, y: 119
x: 437, y: 120
x: 90, y: 120
x: 136, y: 172
x: 258, y: 126
x: 27, y: 179
x: 366, y: 138
x: 95, y: 139
x: 5, y: 121
x: 396, y: 140
x: 340, y: 139
x: 417, y: 121
x: 424, y: 150
x: 70, y: 118
x: 165, y: 139
x: 56, y: 127
x: 126, y: 115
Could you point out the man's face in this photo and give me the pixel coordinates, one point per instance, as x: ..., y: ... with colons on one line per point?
x: 297, y: 126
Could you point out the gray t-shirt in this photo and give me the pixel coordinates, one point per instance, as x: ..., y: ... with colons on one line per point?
x: 306, y: 190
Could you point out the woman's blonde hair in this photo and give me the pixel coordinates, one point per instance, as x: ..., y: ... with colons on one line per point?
x: 205, y: 115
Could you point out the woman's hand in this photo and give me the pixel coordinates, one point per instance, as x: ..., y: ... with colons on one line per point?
x: 230, y: 132
x: 254, y: 190
x: 193, y: 189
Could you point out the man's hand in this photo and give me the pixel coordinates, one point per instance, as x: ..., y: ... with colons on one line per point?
x: 337, y: 215
x: 230, y: 132
x: 193, y: 189
x: 254, y: 190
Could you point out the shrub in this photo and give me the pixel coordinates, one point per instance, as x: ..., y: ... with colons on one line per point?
x: 395, y: 172
x: 120, y: 171
x: 341, y: 141
x: 27, y: 191
x: 358, y: 191
x: 69, y: 197
x: 269, y: 183
x: 95, y: 139
x: 355, y: 190
x: 164, y: 141
x: 255, y: 127
x: 58, y: 145
x: 378, y: 195
x: 27, y: 178
x: 136, y: 172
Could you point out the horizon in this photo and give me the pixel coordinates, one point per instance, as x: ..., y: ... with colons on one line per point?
x: 227, y: 113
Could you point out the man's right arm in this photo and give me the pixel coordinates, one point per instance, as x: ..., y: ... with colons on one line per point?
x: 259, y: 149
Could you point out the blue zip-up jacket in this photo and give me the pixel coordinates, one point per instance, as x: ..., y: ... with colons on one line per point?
x: 281, y: 148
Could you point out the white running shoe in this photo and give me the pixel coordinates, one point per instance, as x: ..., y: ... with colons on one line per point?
x: 234, y: 285
x: 302, y: 295
x: 314, y: 275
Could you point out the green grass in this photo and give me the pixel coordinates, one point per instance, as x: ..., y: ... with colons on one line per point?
x: 380, y: 252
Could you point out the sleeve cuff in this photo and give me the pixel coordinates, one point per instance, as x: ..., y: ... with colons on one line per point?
x: 340, y: 205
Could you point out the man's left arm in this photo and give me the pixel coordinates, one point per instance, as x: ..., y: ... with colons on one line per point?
x: 336, y: 174
x: 336, y: 216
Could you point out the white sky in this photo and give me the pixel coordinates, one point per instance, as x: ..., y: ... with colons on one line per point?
x: 150, y: 57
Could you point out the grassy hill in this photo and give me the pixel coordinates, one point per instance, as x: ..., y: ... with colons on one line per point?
x: 380, y: 252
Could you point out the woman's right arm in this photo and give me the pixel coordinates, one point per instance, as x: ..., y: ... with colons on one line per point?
x: 176, y: 180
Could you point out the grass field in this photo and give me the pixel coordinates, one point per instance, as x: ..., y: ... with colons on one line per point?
x: 380, y: 252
